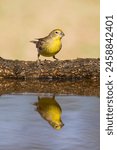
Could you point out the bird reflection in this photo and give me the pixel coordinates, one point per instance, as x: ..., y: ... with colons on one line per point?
x: 50, y: 110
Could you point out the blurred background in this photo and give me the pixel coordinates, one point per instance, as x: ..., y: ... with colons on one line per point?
x: 24, y: 20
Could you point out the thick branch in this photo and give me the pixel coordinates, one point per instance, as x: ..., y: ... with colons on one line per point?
x: 63, y: 69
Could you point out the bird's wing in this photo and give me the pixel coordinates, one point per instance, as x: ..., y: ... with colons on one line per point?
x: 41, y: 43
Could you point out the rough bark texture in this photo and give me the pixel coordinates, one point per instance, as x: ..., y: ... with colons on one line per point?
x: 80, y: 68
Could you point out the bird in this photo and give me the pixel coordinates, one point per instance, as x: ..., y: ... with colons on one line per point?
x: 50, y: 45
x: 50, y: 110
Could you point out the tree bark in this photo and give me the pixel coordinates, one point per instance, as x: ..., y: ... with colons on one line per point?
x: 87, y: 68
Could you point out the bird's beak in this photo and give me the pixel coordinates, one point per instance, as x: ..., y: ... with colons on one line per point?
x: 62, y: 125
x: 62, y: 34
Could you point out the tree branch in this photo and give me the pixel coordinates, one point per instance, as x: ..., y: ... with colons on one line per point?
x: 87, y: 68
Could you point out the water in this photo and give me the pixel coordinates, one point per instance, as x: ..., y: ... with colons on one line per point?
x: 23, y: 127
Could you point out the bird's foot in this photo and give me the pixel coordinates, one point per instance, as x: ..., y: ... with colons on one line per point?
x: 38, y: 61
x: 55, y: 58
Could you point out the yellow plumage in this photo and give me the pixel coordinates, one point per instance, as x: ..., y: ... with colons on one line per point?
x: 52, y: 48
x: 50, y: 45
x: 51, y: 111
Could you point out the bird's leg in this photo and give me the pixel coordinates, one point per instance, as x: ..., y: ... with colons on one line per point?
x: 55, y: 57
x: 38, y: 58
x: 38, y: 64
x: 53, y: 96
x: 38, y: 98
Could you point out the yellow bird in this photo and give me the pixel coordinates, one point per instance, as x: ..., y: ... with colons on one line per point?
x: 50, y: 45
x: 51, y: 111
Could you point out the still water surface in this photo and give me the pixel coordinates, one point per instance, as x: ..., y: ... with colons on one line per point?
x: 24, y: 127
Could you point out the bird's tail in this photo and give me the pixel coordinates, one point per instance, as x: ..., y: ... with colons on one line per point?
x: 35, y: 42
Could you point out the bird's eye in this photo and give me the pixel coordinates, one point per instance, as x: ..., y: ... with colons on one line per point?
x: 56, y: 32
x: 56, y: 126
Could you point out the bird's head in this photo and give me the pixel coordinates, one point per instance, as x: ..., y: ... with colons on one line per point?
x: 57, y: 125
x: 57, y: 33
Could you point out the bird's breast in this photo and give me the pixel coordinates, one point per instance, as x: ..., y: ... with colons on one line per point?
x: 53, y: 47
